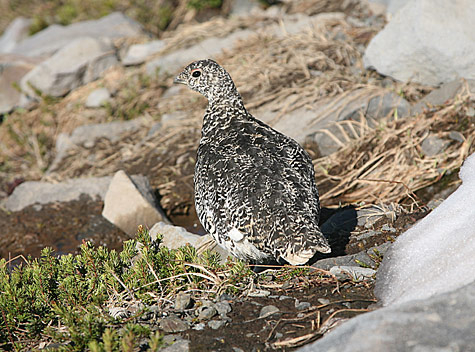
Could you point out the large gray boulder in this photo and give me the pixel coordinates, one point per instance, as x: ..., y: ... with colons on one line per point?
x: 427, y: 41
x: 80, y: 62
x: 16, y: 31
x: 445, y: 322
x: 48, y: 41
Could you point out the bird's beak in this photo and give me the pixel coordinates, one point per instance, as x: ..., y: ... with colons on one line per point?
x: 180, y: 79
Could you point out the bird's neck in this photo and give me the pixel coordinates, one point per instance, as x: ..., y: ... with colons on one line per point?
x: 220, y: 114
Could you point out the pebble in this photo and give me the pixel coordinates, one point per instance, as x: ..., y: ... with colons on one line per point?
x: 300, y: 315
x: 281, y: 298
x: 278, y: 335
x: 259, y: 293
x: 199, y: 326
x: 386, y: 227
x: 302, y: 305
x: 178, y: 346
x: 223, y: 308
x: 216, y: 324
x: 323, y: 301
x: 183, y: 301
x: 207, y: 313
x: 354, y: 273
x: 268, y: 311
x: 237, y: 349
x: 173, y: 324
x: 97, y: 98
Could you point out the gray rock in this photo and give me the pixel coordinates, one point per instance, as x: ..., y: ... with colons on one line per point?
x: 433, y: 145
x: 183, y: 301
x: 223, y: 308
x: 242, y: 7
x: 87, y: 135
x: 267, y: 311
x: 216, y: 324
x: 178, y: 346
x: 48, y: 41
x: 129, y: 203
x: 12, y: 69
x: 173, y: 324
x: 32, y: 192
x: 15, y: 32
x: 98, y: 97
x: 80, y: 62
x: 363, y: 257
x: 207, y: 313
x: 139, y: 53
x: 388, y: 228
x: 355, y: 273
x: 427, y: 41
x: 444, y: 93
x: 456, y: 136
x: 175, y: 237
x: 323, y: 301
x: 302, y: 305
x: 442, y: 323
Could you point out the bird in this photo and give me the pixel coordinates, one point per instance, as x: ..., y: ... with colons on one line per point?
x: 255, y: 190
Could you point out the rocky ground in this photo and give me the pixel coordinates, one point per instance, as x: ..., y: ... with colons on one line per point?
x: 81, y: 102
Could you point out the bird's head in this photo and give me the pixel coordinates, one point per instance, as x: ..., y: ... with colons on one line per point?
x: 210, y: 79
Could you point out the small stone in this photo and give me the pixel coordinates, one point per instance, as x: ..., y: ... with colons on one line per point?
x: 302, y: 305
x: 300, y: 315
x: 183, y: 301
x: 199, y: 326
x: 267, y: 311
x: 207, y: 313
x: 388, y: 228
x: 173, y: 324
x: 97, y: 98
x: 354, y: 273
x: 281, y: 298
x: 278, y: 335
x: 223, y: 308
x: 457, y: 136
x: 433, y: 145
x: 237, y: 349
x: 226, y: 297
x: 323, y: 301
x: 216, y: 324
x: 178, y: 346
x: 259, y: 293
x: 249, y: 334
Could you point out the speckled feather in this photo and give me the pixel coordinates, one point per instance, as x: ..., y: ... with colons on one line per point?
x: 255, y: 190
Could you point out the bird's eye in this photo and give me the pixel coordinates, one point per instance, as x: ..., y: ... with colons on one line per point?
x: 196, y: 73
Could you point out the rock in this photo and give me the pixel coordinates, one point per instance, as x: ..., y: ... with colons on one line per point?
x: 306, y: 123
x: 206, y: 313
x: 433, y: 145
x: 355, y: 273
x: 129, y: 203
x: 173, y: 324
x: 36, y: 192
x: 183, y: 301
x: 363, y: 257
x: 87, y: 135
x: 436, y: 254
x: 216, y: 324
x: 442, y: 323
x: 16, y: 31
x: 267, y: 311
x: 98, y: 97
x: 174, y: 237
x: 444, y: 93
x: 223, y: 308
x: 302, y: 305
x: 78, y: 63
x: 323, y: 301
x: 427, y: 41
x: 12, y: 70
x: 48, y: 41
x: 456, y: 136
x: 179, y: 346
x: 138, y: 53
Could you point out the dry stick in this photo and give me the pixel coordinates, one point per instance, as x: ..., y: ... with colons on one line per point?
x: 296, y: 340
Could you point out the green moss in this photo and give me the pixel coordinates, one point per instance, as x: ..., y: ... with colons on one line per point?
x: 204, y: 4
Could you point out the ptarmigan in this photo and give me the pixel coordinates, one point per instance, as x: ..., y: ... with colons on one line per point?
x: 255, y: 191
